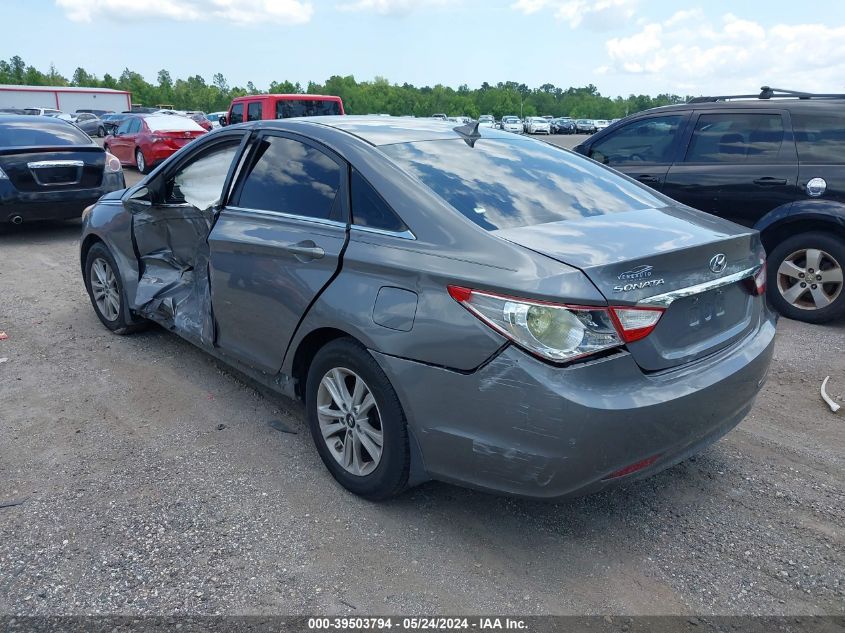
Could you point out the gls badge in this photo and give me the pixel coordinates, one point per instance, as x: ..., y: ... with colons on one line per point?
x: 639, y: 278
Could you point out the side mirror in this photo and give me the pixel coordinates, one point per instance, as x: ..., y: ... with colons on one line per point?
x: 222, y: 120
x: 141, y: 198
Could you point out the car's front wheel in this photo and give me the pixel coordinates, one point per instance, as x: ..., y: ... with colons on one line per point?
x: 805, y: 277
x: 105, y: 288
x: 356, y: 421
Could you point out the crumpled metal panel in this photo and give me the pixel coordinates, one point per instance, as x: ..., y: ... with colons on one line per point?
x: 173, y: 289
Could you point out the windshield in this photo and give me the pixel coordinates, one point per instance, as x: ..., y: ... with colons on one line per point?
x: 510, y: 119
x: 41, y: 133
x: 500, y: 184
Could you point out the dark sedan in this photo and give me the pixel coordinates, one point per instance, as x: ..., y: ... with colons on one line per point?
x: 451, y: 302
x: 50, y: 169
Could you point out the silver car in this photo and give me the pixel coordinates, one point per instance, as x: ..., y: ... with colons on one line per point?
x: 451, y: 303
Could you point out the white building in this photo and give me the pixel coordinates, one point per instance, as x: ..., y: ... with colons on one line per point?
x: 67, y: 99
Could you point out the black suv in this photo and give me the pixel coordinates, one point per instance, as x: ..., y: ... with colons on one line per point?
x: 773, y: 161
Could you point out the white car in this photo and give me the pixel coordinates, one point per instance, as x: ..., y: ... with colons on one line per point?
x: 601, y: 124
x: 538, y: 125
x: 486, y: 120
x: 512, y: 124
x: 214, y: 117
x: 44, y: 112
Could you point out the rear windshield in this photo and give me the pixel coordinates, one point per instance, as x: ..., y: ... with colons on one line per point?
x: 288, y: 108
x: 40, y: 133
x: 172, y: 123
x: 502, y: 184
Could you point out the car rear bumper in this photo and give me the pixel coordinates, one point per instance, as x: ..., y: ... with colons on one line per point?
x: 520, y: 426
x: 53, y: 205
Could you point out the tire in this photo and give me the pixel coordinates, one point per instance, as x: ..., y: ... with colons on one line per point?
x: 117, y: 320
x: 376, y: 479
x: 796, y: 256
x: 101, y: 131
x: 141, y: 162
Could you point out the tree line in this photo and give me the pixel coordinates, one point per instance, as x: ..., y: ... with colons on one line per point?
x: 378, y: 96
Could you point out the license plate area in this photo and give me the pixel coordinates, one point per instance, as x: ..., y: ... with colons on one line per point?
x: 56, y: 173
x: 706, y: 307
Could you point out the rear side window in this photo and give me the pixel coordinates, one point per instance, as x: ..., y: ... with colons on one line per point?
x: 237, y: 113
x: 253, y: 111
x: 369, y: 209
x: 502, y: 184
x: 37, y: 133
x: 645, y: 141
x: 820, y: 137
x: 291, y: 177
x: 736, y: 138
x: 135, y: 126
x: 288, y: 108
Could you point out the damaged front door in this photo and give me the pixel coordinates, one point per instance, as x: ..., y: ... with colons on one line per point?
x: 170, y: 225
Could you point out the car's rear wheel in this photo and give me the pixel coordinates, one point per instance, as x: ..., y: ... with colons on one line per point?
x: 805, y: 279
x: 140, y: 161
x: 356, y: 421
x: 105, y: 288
x: 101, y: 131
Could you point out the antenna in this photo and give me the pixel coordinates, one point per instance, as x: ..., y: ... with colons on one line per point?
x: 469, y: 132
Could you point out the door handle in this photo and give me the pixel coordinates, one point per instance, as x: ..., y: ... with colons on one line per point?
x: 305, y: 250
x: 648, y: 179
x: 770, y: 182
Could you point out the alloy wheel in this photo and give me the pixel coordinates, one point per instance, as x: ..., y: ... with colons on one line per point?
x: 810, y: 279
x: 350, y: 422
x: 139, y: 161
x: 104, y: 289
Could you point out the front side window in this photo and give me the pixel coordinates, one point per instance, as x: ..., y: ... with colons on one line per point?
x: 253, y: 111
x: 200, y: 182
x: 820, y: 137
x: 645, y: 141
x: 237, y: 114
x: 502, y: 184
x: 291, y: 177
x: 736, y: 138
x: 369, y: 208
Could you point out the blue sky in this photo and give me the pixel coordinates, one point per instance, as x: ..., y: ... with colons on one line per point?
x: 621, y: 46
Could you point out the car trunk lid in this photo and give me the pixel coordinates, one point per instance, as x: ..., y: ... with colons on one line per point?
x: 662, y: 257
x: 38, y: 169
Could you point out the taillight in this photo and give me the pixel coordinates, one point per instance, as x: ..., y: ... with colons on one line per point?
x: 757, y: 284
x: 112, y: 163
x: 557, y: 332
x: 634, y: 324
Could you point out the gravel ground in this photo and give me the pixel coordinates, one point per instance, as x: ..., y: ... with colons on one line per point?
x: 149, y: 479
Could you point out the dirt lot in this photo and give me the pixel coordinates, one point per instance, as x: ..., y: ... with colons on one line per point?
x: 137, y: 475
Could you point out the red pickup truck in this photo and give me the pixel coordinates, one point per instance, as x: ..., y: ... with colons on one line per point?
x: 258, y: 107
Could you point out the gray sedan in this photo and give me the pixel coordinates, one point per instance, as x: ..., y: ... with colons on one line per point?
x: 90, y: 124
x: 451, y: 302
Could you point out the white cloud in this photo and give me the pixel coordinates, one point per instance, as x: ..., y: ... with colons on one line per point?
x: 597, y: 15
x: 236, y: 11
x: 688, y: 53
x: 391, y: 7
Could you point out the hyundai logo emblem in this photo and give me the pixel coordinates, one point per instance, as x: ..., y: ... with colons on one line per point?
x: 718, y: 263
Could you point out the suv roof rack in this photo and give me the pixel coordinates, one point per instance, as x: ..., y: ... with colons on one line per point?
x: 769, y: 93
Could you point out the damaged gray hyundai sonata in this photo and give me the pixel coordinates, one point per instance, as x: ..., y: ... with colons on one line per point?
x: 451, y: 303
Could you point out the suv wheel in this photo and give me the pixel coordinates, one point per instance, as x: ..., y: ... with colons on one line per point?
x: 805, y: 280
